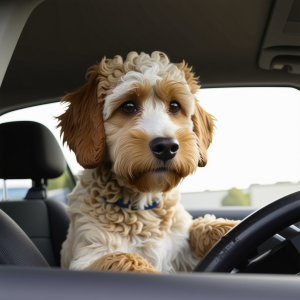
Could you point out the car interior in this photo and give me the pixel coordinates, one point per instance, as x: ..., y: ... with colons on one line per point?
x: 45, y: 49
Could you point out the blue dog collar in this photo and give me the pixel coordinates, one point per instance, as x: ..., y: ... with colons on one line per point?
x: 123, y: 205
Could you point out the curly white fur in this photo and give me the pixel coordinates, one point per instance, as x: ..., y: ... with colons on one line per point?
x: 87, y: 240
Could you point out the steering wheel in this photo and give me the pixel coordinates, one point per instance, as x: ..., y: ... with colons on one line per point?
x: 244, y: 238
x: 16, y: 248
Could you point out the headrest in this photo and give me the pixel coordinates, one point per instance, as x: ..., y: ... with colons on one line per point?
x: 28, y: 150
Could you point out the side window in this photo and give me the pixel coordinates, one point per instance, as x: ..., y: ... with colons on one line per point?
x: 253, y: 159
x: 16, y: 189
x: 254, y: 156
x: 58, y: 188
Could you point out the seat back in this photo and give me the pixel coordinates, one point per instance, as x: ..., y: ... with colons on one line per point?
x: 29, y: 150
x: 44, y: 221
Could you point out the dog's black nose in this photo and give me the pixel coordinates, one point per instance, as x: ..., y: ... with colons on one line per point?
x: 164, y: 148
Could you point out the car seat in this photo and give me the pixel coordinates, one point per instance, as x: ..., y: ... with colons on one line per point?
x: 28, y: 150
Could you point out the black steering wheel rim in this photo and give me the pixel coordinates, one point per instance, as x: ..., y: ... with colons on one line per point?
x: 250, y: 233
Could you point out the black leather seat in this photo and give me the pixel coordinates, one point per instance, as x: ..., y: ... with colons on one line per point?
x: 28, y: 150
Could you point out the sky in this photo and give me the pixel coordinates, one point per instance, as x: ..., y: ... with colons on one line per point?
x: 257, y: 139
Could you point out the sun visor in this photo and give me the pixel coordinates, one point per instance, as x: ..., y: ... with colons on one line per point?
x: 281, y: 45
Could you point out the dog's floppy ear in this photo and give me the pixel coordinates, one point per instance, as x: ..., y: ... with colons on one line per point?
x: 203, y: 128
x: 203, y: 121
x: 82, y: 123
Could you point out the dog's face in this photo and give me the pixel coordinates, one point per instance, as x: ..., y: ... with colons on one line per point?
x: 140, y: 114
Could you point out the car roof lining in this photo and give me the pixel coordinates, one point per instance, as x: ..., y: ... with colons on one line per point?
x: 281, y: 45
x: 62, y: 38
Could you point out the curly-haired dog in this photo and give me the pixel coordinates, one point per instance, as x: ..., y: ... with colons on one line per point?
x: 138, y: 130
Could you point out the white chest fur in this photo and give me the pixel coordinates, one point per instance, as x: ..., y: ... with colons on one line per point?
x: 162, y: 238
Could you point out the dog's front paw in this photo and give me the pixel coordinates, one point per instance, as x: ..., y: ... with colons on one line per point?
x: 122, y: 262
x: 205, y: 232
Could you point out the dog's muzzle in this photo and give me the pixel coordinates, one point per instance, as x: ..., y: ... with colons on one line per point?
x: 164, y: 148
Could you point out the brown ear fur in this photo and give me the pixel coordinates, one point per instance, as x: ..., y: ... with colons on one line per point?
x: 82, y: 123
x: 204, y: 128
x: 203, y: 121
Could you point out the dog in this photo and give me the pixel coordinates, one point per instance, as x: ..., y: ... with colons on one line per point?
x: 138, y: 130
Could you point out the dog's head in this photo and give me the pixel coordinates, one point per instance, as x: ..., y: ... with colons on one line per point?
x: 141, y: 115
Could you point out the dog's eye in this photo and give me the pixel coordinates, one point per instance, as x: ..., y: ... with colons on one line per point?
x: 174, y: 107
x: 128, y: 108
